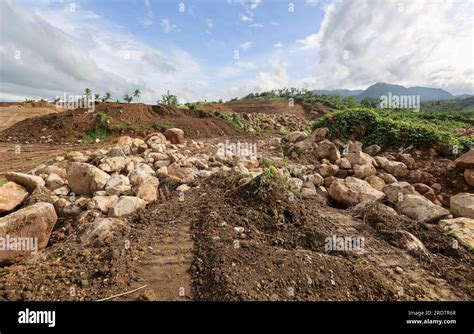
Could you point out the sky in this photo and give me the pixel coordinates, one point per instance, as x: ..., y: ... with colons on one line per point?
x: 212, y: 49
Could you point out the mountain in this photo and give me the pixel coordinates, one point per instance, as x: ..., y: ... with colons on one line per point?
x: 342, y: 92
x: 425, y: 93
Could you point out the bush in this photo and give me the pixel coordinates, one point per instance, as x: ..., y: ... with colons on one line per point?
x: 377, y: 127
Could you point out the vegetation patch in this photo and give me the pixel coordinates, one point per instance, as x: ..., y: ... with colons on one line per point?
x: 391, y: 130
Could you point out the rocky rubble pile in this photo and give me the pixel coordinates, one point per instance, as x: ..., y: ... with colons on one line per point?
x: 349, y: 174
x: 98, y: 188
x: 274, y: 122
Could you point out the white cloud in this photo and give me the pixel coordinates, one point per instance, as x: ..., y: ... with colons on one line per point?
x: 311, y: 2
x: 245, y: 46
x: 278, y: 45
x: 256, y: 25
x: 167, y: 25
x: 419, y: 43
x: 245, y: 18
x: 209, y: 23
x: 241, y: 67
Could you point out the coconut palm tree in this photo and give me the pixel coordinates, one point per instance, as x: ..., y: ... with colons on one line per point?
x: 107, y: 97
x: 127, y: 98
x: 137, y: 93
x: 96, y: 97
x: 88, y: 93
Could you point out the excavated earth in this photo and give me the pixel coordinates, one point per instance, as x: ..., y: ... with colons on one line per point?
x: 222, y: 240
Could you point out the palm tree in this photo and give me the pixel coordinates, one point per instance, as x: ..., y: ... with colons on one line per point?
x: 88, y: 93
x: 137, y: 93
x: 96, y: 97
x: 127, y: 98
x: 107, y: 97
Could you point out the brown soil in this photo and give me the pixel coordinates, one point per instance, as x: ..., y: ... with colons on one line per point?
x: 12, y: 112
x: 120, y: 118
x: 192, y: 247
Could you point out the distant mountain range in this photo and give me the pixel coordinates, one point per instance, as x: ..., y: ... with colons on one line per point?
x: 381, y: 88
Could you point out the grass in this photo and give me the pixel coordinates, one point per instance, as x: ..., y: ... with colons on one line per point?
x: 162, y: 127
x: 3, y: 181
x: 235, y: 119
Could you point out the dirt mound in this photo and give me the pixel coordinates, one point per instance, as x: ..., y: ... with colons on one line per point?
x: 280, y: 107
x: 115, y: 119
x: 14, y: 112
x: 249, y: 249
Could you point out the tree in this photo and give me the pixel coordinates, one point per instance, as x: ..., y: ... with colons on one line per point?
x: 127, y: 98
x: 169, y: 99
x: 137, y: 93
x: 96, y: 97
x: 88, y: 93
x: 369, y: 102
x: 107, y: 97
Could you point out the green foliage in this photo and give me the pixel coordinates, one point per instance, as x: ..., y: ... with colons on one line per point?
x: 234, y: 119
x: 381, y: 127
x: 127, y: 98
x: 452, y: 105
x: 100, y: 129
x: 168, y: 99
x: 162, y: 127
x: 137, y: 94
x: 2, y: 181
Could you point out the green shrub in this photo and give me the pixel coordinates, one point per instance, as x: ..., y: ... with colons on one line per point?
x: 378, y: 127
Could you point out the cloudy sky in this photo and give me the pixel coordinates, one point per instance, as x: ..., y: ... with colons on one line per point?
x: 211, y: 49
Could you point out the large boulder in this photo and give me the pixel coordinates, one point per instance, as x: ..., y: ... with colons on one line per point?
x: 469, y: 176
x: 148, y: 189
x: 85, y: 179
x: 363, y: 171
x: 104, y: 230
x: 295, y: 137
x: 462, y: 228
x: 360, y: 158
x: 54, y: 181
x: 113, y: 164
x: 462, y: 205
x: 352, y: 191
x: 140, y: 173
x: 154, y: 139
x: 103, y: 203
x: 26, y: 231
x: 396, y: 191
x: 11, y: 196
x: 126, y: 205
x: 327, y: 150
x: 396, y: 168
x: 117, y: 184
x: 174, y: 135
x: 421, y: 209
x: 30, y: 182
x: 466, y: 160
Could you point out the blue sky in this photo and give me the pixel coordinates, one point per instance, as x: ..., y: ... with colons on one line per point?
x: 189, y: 47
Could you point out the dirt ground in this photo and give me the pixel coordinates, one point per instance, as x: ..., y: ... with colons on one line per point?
x: 225, y: 241
x: 11, y: 113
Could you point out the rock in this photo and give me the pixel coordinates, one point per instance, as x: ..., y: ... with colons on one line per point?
x: 469, y: 176
x: 408, y: 160
x: 54, y: 181
x: 360, y: 158
x: 352, y: 191
x: 461, y: 228
x: 321, y: 191
x: 64, y: 208
x: 117, y: 184
x: 421, y: 188
x: 104, y: 230
x: 319, y: 134
x: 103, y: 203
x: 327, y: 150
x: 85, y: 179
x: 11, y: 196
x: 328, y: 170
x: 115, y: 152
x: 396, y: 191
x: 295, y: 184
x: 113, y: 164
x: 148, y: 189
x: 275, y: 141
x: 381, y: 161
x: 329, y: 180
x: 363, y: 171
x: 354, y: 146
x: 466, y: 160
x: 64, y: 190
x: 175, y: 135
x: 379, y: 208
x: 30, y: 182
x: 462, y: 205
x: 421, y: 209
x: 387, y: 178
x: 396, y: 168
x: 295, y: 137
x: 343, y: 163
x: 183, y: 188
x: 27, y: 230
x: 141, y: 172
x: 154, y: 139
x: 317, y: 179
x: 408, y: 241
x: 372, y: 150
x: 126, y: 205
x: 41, y: 194
x: 375, y: 182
